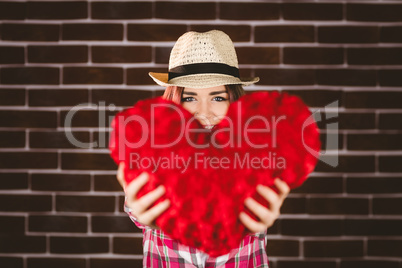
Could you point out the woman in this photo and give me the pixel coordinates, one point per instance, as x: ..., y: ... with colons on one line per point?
x: 204, y: 78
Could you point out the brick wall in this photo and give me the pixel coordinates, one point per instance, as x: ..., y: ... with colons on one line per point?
x: 60, y: 205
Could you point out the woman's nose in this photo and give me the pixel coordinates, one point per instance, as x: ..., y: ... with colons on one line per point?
x: 204, y: 114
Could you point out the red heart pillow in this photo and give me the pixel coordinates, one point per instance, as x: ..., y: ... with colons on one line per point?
x: 209, y: 173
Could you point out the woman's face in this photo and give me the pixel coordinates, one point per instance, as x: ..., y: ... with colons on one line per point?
x: 209, y: 105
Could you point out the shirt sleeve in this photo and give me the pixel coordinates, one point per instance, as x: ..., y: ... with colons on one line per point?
x: 134, y: 219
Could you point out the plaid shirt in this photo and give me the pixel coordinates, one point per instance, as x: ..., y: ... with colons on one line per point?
x: 164, y: 252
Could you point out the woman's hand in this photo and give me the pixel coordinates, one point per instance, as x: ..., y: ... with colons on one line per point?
x: 266, y: 215
x: 140, y: 206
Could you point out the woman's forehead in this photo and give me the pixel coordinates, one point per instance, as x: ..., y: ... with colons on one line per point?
x: 205, y: 91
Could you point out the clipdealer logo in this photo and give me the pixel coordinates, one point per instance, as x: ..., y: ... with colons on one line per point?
x: 328, y: 154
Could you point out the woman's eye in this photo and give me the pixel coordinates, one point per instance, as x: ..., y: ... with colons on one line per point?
x: 187, y: 99
x: 219, y: 99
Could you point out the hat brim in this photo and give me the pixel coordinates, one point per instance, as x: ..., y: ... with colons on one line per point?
x: 201, y: 80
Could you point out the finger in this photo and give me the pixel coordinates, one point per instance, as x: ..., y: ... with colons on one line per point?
x: 273, y: 198
x: 134, y: 186
x: 150, y: 215
x: 252, y: 225
x: 259, y: 210
x: 283, y: 188
x: 120, y: 175
x: 141, y: 204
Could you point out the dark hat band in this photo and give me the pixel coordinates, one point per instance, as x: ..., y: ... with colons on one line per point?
x: 203, y: 68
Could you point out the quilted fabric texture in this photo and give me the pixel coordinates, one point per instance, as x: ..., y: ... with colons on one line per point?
x: 209, y: 173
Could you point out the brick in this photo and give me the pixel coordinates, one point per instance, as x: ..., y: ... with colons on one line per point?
x: 330, y: 249
x: 374, y: 56
x: 346, y: 121
x: 22, y: 244
x: 120, y: 97
x: 79, y: 245
x: 317, y: 97
x: 185, y: 10
x: 12, y: 139
x: 274, y: 229
x: 85, y: 118
x: 324, y: 185
x: 374, y: 12
x: 387, y: 206
x: 113, y: 224
x: 12, y: 11
x: 284, y: 34
x: 92, y: 75
x: 87, y: 161
x: 56, y: 97
x: 373, y: 99
x: 25, y: 203
x: 348, y: 34
x: 14, y: 262
x: 350, y: 77
x: 106, y: 183
x: 308, y: 11
x: 385, y: 248
x: 98, y: 31
x: 258, y: 55
x: 390, y: 163
x: 282, y: 247
x: 155, y: 32
x: 13, y: 181
x: 59, y: 224
x: 312, y: 55
x: 12, y: 97
x: 338, y: 206
x: 120, y: 54
x: 38, y: 262
x: 12, y: 224
x: 60, y: 182
x: 238, y: 33
x: 121, y: 10
x: 249, y: 11
x: 162, y: 54
x: 30, y: 75
x: 120, y: 262
x: 373, y: 185
x: 10, y: 55
x: 363, y: 142
x: 357, y: 121
x: 57, y: 54
x: 31, y: 160
x: 306, y: 264
x: 121, y: 201
x: 369, y: 264
x: 139, y: 76
x: 79, y: 203
x: 349, y: 163
x: 391, y: 34
x: 30, y: 32
x: 316, y: 227
x: 57, y: 140
x: 125, y: 245
x: 57, y: 10
x: 390, y: 121
x: 27, y: 119
x: 293, y: 205
x: 390, y: 78
x: 372, y: 227
x: 285, y: 76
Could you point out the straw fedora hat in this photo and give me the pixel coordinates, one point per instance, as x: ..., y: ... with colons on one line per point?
x: 201, y: 60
